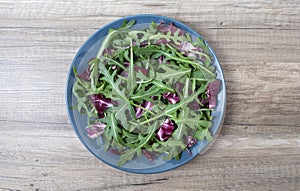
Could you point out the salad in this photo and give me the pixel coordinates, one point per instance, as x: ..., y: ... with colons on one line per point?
x: 148, y: 92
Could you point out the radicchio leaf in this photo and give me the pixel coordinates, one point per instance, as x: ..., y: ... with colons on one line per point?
x: 109, y: 51
x: 162, y: 27
x: 136, y: 68
x: 212, y: 92
x: 139, y: 111
x: 85, y: 75
x: 95, y: 130
x: 100, y: 103
x: 144, y: 43
x: 190, y: 141
x: 186, y: 47
x: 165, y: 131
x: 194, y: 105
x: 161, y: 41
x: 171, y: 97
x: 115, y: 151
x: 149, y: 155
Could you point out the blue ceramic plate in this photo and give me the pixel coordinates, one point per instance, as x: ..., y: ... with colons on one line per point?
x: 141, y: 165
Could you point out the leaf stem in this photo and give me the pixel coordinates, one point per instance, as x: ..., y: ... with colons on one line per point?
x: 117, y: 63
x: 206, y: 109
x: 143, y: 108
x: 187, y: 61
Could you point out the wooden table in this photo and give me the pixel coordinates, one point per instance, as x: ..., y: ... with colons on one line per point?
x: 258, y: 45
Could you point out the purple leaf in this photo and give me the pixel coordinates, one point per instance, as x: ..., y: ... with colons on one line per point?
x: 165, y: 130
x: 144, y: 43
x: 95, y: 130
x: 124, y: 73
x: 194, y: 105
x: 139, y: 111
x: 212, y: 92
x: 186, y: 47
x: 161, y: 41
x: 100, y: 103
x: 140, y: 69
x: 162, y: 27
x: 108, y: 51
x: 190, y: 141
x: 160, y: 59
x: 136, y: 68
x: 114, y: 151
x: 85, y: 75
x: 171, y: 97
x: 149, y: 155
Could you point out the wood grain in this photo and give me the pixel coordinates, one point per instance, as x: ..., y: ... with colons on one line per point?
x: 258, y: 45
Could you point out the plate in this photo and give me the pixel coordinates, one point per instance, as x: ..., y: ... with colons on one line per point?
x: 140, y: 165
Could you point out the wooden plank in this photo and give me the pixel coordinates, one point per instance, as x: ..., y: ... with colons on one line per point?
x: 233, y: 45
x: 232, y: 14
x: 55, y: 159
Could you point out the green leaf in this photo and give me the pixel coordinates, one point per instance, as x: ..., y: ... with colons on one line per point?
x: 161, y: 85
x: 178, y: 135
x: 145, y: 92
x: 171, y: 73
x: 131, y: 79
x: 200, y: 43
x: 207, y: 74
x: 203, y: 133
x: 83, y: 83
x: 109, y: 78
x: 114, y: 33
x: 181, y: 131
x: 131, y: 139
x: 152, y: 28
x: 121, y: 112
x: 113, y: 62
x: 129, y: 154
x: 112, y: 132
x: 94, y: 73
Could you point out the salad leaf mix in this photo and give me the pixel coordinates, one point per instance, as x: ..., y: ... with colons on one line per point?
x: 148, y: 92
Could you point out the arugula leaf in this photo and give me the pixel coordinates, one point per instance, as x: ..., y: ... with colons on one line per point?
x: 80, y: 91
x: 171, y: 56
x: 113, y: 62
x: 131, y: 79
x: 129, y: 154
x: 178, y: 135
x: 113, y: 33
x: 112, y: 132
x: 181, y: 130
x: 203, y: 133
x: 171, y: 74
x: 81, y: 82
x: 109, y: 78
x: 123, y: 112
x: 94, y: 74
x: 145, y: 93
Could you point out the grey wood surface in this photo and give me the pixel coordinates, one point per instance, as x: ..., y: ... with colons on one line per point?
x: 258, y: 45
